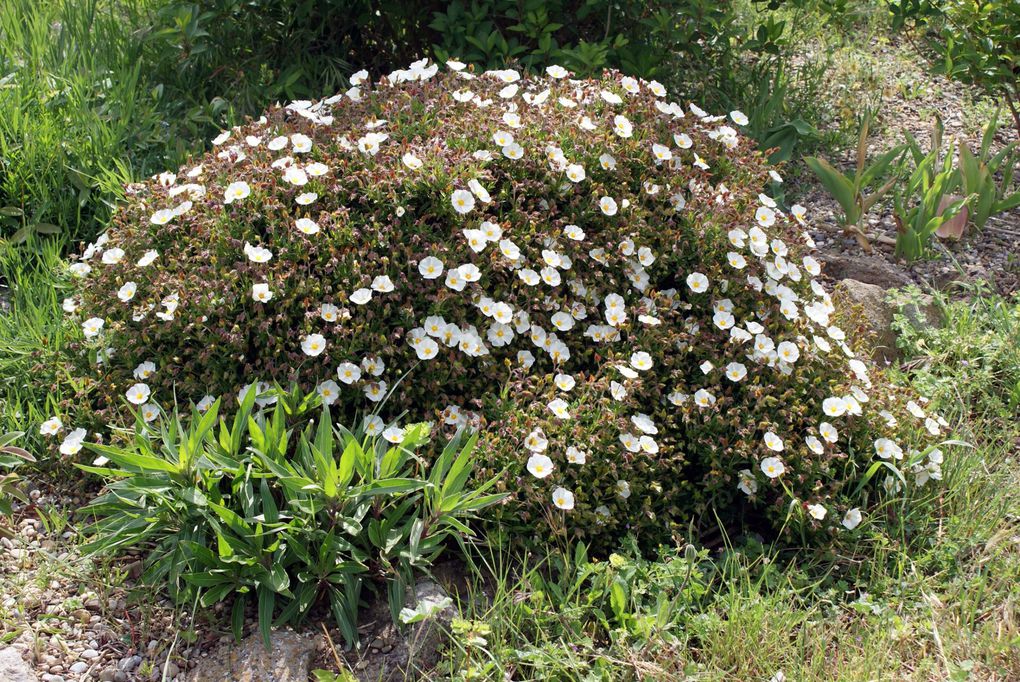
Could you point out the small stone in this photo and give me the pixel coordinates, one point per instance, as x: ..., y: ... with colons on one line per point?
x: 79, y: 667
x: 109, y: 675
x: 90, y: 654
x: 129, y: 663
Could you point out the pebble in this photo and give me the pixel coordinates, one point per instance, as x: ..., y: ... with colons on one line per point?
x: 129, y: 663
x: 90, y: 653
x: 52, y: 678
x: 109, y: 675
x: 79, y: 667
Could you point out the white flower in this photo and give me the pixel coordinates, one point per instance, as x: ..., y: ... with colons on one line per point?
x: 576, y: 455
x: 257, y: 254
x: 205, y: 403
x: 295, y: 176
x: 556, y: 71
x: 661, y: 152
x: 144, y: 370
x: 540, y: 466
x: 852, y: 518
x: 329, y: 312
x: 313, y: 344
x: 348, y: 372
x: 735, y: 371
x: 147, y: 258
x: 739, y: 118
x: 306, y: 198
x: 772, y: 467
x: 162, y: 216
x: 430, y: 267
x: 703, y: 398
x: 369, y: 144
x: 623, y: 489
x: 112, y: 256
x: 92, y: 326
x: 138, y: 394
x: 817, y: 511
x: 307, y: 226
x: 51, y: 426
x: 834, y: 407
x: 641, y: 361
x: 73, y: 441
x: 536, y: 441
x: 127, y: 292
x: 886, y: 449
x: 748, y: 484
x: 479, y: 191
x: 773, y: 442
x: 261, y: 292
x: 622, y: 126
x: 575, y: 172
x: 608, y: 206
x: 375, y: 391
x: 559, y: 408
x: 383, y: 284
x: 563, y: 498
x: 361, y: 296
x: 329, y: 391
x: 372, y: 425
x: 236, y: 191
x: 564, y: 382
x: 828, y: 432
x: 426, y: 349
x: 697, y: 282
x: 463, y: 201
x: 788, y: 352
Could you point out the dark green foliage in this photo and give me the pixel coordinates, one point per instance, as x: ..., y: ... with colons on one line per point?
x: 281, y: 509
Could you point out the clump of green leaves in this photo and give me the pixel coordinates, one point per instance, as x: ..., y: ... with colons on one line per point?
x: 11, y: 457
x: 852, y: 191
x: 978, y: 173
x: 282, y: 509
x: 932, y: 184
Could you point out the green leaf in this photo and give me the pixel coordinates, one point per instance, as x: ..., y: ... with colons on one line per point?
x: 267, y: 603
x: 237, y: 617
x: 838, y: 186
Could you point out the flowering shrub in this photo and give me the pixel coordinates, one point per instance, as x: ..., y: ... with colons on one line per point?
x: 588, y: 268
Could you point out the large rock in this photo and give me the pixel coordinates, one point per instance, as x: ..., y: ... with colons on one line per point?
x: 878, y: 308
x: 13, y: 667
x: 392, y: 655
x: 871, y: 270
x: 288, y: 660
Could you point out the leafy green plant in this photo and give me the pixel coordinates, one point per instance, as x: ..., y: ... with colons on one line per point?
x: 988, y: 177
x: 11, y: 457
x: 281, y: 509
x: 851, y: 191
x: 926, y: 200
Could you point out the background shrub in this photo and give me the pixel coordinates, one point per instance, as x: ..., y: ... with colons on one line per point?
x: 645, y: 279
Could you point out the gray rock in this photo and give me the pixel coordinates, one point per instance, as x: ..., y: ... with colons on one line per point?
x: 79, y: 667
x: 129, y: 663
x: 878, y: 308
x: 13, y: 668
x: 876, y: 314
x: 872, y: 270
x: 288, y: 660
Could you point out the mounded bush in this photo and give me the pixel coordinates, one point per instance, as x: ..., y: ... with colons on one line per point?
x: 588, y: 269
